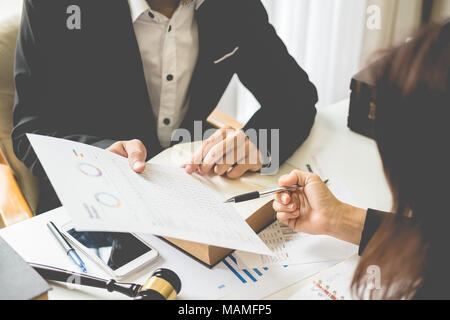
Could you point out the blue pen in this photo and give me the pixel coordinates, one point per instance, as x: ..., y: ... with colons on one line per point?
x: 66, y: 246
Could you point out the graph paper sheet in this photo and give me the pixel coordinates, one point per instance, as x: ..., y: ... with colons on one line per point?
x: 101, y: 193
x: 289, y: 248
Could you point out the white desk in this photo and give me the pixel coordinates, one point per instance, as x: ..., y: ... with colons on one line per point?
x: 350, y: 159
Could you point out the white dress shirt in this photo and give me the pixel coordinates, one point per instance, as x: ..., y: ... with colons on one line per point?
x: 169, y: 51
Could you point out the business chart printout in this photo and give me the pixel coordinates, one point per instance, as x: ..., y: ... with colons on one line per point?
x: 102, y: 193
x: 291, y: 248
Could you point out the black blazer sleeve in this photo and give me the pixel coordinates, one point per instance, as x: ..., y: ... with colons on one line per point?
x: 283, y: 89
x: 373, y: 222
x: 29, y: 76
x: 374, y: 219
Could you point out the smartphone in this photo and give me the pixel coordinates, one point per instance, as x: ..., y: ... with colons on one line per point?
x: 118, y: 253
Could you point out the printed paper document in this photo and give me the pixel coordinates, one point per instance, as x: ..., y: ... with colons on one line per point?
x: 290, y: 247
x: 101, y: 193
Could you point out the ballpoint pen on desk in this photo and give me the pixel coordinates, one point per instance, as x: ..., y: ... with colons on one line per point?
x: 66, y: 246
x: 258, y: 194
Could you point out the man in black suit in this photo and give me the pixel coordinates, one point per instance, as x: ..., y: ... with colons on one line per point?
x: 124, y: 75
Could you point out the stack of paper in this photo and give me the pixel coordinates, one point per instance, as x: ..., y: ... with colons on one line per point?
x: 331, y: 284
x: 289, y: 247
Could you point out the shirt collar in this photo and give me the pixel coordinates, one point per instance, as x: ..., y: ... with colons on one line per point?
x: 138, y: 7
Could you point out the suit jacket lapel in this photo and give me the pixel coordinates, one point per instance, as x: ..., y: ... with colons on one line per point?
x: 209, y: 80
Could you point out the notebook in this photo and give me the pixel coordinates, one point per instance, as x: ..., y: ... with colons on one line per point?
x: 19, y: 281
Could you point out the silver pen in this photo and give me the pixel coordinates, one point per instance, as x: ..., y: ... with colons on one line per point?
x: 258, y: 194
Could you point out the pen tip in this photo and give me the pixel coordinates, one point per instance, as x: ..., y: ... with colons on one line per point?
x: 229, y: 200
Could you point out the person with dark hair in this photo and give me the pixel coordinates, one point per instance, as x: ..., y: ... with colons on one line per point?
x: 409, y: 246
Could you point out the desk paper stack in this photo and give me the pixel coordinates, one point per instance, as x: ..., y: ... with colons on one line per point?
x: 330, y: 284
x: 101, y: 193
x: 290, y: 248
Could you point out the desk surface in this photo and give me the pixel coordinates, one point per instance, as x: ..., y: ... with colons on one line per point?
x: 349, y: 158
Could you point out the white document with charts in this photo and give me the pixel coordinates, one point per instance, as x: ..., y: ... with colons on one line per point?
x: 101, y: 193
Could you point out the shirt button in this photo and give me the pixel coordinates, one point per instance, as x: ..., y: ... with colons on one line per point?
x: 151, y: 15
x: 170, y: 28
x: 166, y: 121
x: 169, y: 77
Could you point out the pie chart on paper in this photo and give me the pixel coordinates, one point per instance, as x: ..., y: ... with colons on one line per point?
x: 108, y: 200
x: 89, y: 170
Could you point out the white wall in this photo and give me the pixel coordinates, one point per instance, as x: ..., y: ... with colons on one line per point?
x: 325, y: 38
x: 8, y: 7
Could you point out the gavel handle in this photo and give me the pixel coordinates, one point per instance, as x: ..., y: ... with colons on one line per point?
x: 61, y: 275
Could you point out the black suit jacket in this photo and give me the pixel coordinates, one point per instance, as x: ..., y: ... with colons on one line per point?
x: 88, y: 85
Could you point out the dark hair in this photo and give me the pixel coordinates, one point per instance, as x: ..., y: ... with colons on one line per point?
x: 412, y: 130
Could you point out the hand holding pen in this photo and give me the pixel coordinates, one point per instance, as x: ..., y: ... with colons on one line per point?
x: 259, y: 194
x: 312, y: 209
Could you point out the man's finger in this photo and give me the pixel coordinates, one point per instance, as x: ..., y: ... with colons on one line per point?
x: 136, y: 155
x: 207, y: 145
x: 118, y: 148
x: 224, y: 152
x: 221, y: 169
x: 242, y: 167
x: 239, y: 170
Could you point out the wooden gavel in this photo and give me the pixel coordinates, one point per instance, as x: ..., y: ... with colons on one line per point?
x: 163, y: 284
